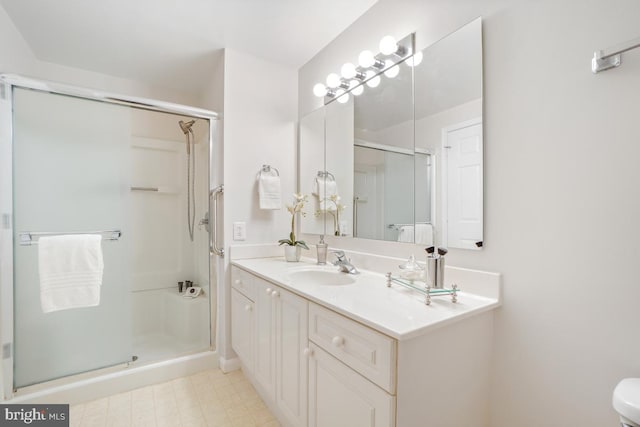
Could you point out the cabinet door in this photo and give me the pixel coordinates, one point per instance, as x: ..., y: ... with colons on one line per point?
x: 291, y: 364
x: 265, y: 348
x: 242, y: 337
x: 338, y: 396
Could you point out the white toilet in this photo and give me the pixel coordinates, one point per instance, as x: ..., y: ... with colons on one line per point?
x: 626, y: 401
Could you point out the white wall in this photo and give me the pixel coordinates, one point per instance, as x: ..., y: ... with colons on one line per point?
x: 260, y: 101
x: 561, y: 185
x: 17, y: 58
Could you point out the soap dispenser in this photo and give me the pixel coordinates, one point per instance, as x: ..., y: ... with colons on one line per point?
x: 322, y: 251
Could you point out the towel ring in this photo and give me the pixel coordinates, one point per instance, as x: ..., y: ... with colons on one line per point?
x: 325, y: 175
x: 267, y: 169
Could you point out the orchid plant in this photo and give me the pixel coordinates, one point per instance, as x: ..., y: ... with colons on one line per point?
x: 334, y: 207
x: 296, y: 208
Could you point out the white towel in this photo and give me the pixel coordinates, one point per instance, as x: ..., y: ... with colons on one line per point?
x: 326, y: 189
x: 70, y: 271
x: 405, y: 234
x: 269, y: 191
x: 424, y: 234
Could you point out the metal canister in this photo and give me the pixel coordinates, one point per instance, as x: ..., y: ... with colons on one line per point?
x: 439, y: 273
x: 432, y: 272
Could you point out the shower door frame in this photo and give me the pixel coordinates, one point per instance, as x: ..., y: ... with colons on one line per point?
x: 7, y: 84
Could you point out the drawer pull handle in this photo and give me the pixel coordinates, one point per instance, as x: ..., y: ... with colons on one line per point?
x: 308, y: 352
x: 247, y: 307
x: 268, y: 290
x: 275, y: 294
x: 337, y: 341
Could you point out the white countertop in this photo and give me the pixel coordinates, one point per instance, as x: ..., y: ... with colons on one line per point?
x: 396, y: 311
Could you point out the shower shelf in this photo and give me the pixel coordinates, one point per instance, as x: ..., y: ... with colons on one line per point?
x: 159, y: 190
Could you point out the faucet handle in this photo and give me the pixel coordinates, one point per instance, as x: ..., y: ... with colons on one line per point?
x: 339, y: 255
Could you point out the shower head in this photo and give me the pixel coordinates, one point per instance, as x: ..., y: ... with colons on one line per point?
x: 186, y: 126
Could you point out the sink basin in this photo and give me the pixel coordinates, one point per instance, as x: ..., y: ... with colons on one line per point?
x: 626, y: 401
x: 314, y: 276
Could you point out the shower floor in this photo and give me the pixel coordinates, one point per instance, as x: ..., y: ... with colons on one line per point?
x: 155, y: 347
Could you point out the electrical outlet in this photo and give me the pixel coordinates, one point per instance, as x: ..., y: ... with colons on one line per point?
x: 239, y: 230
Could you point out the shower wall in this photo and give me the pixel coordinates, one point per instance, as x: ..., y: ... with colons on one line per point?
x: 164, y: 321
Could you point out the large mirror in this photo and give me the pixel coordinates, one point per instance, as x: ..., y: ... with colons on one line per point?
x: 404, y: 159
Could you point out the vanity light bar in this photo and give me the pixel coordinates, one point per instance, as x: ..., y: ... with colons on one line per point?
x: 370, y: 66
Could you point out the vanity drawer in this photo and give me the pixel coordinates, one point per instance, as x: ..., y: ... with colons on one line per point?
x: 243, y: 282
x: 366, y: 351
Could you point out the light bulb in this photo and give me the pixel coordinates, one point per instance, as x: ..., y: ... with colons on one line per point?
x: 388, y: 45
x: 374, y: 82
x: 415, y: 60
x: 366, y: 59
x: 348, y: 70
x: 319, y: 90
x: 333, y: 80
x: 342, y: 99
x: 392, y: 70
x: 355, y: 87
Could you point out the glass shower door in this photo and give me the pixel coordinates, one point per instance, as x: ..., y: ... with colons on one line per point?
x: 71, y: 174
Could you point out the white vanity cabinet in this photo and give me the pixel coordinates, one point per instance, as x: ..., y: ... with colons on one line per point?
x: 319, y: 368
x: 289, y: 336
x: 242, y: 327
x: 338, y: 396
x: 280, y: 337
x: 352, y: 375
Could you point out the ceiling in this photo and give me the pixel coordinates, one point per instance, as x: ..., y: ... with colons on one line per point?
x: 173, y: 43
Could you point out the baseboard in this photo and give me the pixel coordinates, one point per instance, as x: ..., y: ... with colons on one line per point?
x: 228, y: 365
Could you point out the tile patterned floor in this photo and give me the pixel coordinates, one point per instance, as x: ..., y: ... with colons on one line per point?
x: 209, y: 398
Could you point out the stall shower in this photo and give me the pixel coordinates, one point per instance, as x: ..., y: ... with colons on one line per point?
x: 83, y: 165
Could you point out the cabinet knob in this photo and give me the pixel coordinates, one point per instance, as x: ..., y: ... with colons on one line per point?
x: 307, y: 352
x: 268, y: 290
x: 275, y: 294
x: 247, y: 307
x: 238, y: 282
x: 337, y: 341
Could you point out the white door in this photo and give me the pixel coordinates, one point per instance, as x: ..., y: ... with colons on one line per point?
x: 338, y: 396
x: 291, y: 365
x: 242, y: 337
x: 364, y: 202
x: 462, y: 185
x: 264, y: 371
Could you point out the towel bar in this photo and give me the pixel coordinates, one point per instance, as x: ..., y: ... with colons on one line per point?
x: 28, y: 238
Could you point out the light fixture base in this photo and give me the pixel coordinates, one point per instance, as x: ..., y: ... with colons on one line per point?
x: 406, y: 48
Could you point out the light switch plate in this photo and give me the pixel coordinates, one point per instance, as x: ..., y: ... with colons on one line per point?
x: 239, y: 230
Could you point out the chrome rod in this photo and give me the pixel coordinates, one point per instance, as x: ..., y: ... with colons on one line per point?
x: 612, y: 57
x: 28, y: 238
x: 213, y: 235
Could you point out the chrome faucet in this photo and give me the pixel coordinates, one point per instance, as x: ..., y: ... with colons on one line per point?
x: 344, y: 264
